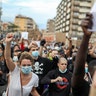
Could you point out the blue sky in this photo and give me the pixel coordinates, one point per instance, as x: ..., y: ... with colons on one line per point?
x: 39, y: 10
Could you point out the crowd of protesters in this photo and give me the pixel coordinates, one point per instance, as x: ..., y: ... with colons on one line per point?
x: 48, y: 69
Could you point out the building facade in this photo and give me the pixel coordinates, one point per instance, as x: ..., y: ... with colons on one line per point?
x: 27, y: 24
x: 69, y: 16
x: 50, y: 25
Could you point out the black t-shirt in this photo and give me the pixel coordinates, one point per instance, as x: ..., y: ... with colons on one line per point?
x: 58, y: 88
x: 82, y: 90
x: 4, y: 69
x: 42, y: 66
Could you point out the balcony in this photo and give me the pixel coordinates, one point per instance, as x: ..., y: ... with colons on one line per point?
x: 75, y: 16
x: 68, y: 16
x: 67, y: 22
x: 75, y: 9
x: 86, y: 4
x: 84, y: 10
x: 76, y: 3
x: 75, y: 28
x: 75, y: 21
x: 68, y: 10
x: 79, y: 29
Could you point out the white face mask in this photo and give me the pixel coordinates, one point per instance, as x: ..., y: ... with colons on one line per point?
x: 15, y: 58
x: 48, y: 47
x: 63, y: 71
x: 57, y: 48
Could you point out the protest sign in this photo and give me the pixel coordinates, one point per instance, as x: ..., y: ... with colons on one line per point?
x: 93, y: 12
x: 24, y: 35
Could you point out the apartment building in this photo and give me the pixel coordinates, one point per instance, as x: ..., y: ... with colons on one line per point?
x: 69, y: 16
x: 27, y: 24
x: 50, y: 25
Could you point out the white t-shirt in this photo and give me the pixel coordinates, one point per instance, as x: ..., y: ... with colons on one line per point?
x: 14, y: 88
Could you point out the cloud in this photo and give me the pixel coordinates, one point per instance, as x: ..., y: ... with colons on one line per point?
x: 4, y: 1
x: 39, y: 10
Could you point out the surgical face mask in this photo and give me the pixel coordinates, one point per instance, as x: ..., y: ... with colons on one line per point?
x: 26, y: 69
x: 48, y: 47
x: 35, y: 53
x: 1, y: 54
x: 57, y: 48
x: 15, y: 58
x: 14, y: 43
x: 63, y: 71
x: 86, y: 69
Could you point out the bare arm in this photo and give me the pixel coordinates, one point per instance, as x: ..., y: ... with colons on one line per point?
x: 9, y: 62
x: 78, y: 74
x: 70, y: 43
x: 34, y: 92
x: 40, y: 50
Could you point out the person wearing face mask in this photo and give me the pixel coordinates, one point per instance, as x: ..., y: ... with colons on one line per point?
x: 22, y: 80
x: 41, y: 66
x: 59, y: 79
x: 15, y: 58
x: 87, y: 76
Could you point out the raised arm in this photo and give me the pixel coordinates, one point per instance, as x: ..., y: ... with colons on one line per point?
x: 42, y: 43
x: 78, y: 74
x: 9, y: 62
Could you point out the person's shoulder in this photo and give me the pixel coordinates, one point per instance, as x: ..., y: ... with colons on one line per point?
x: 34, y: 75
